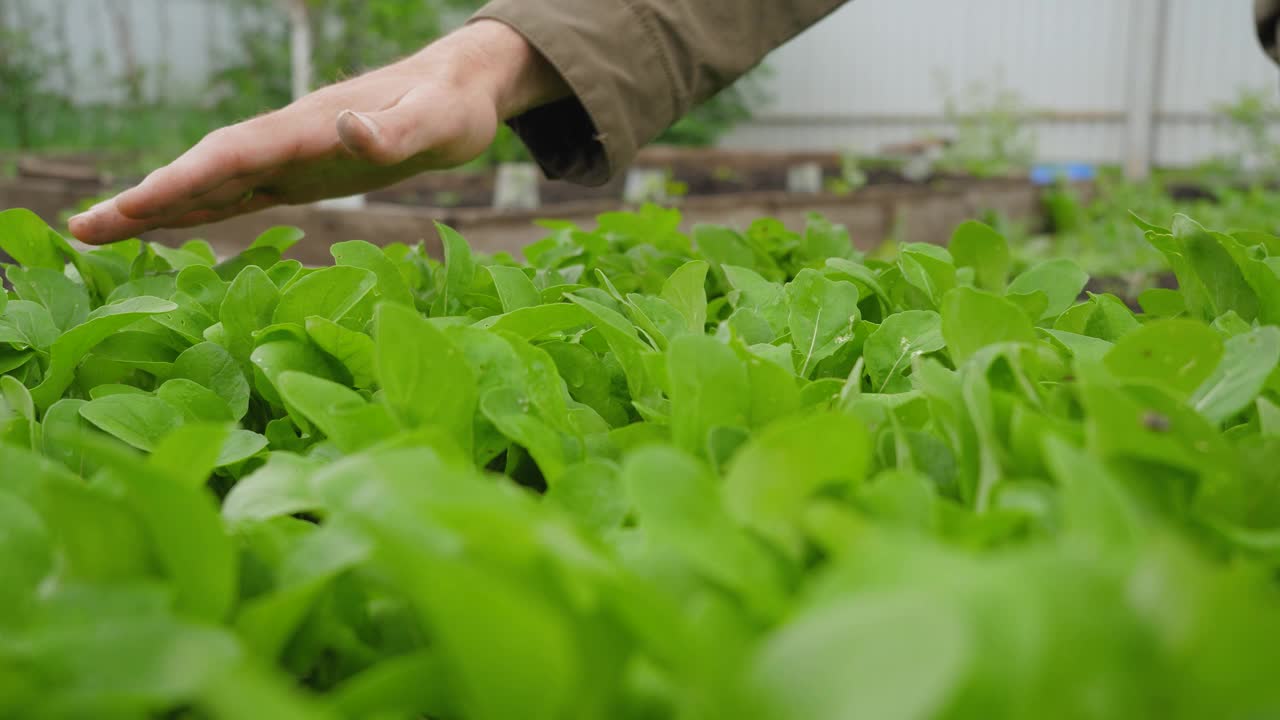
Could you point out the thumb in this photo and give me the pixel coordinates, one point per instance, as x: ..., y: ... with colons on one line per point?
x: 392, y: 136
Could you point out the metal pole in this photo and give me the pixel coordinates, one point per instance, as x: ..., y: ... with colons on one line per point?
x: 300, y: 47
x: 1145, y: 59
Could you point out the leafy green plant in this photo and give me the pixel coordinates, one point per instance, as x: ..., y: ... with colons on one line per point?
x: 23, y: 61
x: 644, y: 474
x: 1249, y: 122
x: 991, y: 134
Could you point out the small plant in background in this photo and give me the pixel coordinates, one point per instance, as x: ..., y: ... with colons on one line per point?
x: 852, y: 176
x: 1249, y: 120
x: 23, y: 62
x: 991, y: 134
x: 712, y: 120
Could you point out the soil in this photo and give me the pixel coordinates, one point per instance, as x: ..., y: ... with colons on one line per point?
x: 1128, y: 288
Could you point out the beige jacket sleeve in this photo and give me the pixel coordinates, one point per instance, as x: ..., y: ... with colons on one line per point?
x: 637, y: 66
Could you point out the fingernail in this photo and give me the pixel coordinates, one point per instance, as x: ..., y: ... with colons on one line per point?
x: 366, y: 121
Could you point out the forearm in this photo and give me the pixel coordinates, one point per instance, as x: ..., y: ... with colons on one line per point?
x: 493, y: 56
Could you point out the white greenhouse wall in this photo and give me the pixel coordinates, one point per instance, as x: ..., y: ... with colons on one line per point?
x: 877, y: 71
x: 179, y: 43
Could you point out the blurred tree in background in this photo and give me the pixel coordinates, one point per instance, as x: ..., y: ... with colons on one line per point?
x: 352, y: 36
x: 23, y: 66
x: 117, y: 98
x: 349, y: 37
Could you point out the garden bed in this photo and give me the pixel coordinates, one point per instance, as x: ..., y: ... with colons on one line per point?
x: 635, y: 477
x: 724, y: 188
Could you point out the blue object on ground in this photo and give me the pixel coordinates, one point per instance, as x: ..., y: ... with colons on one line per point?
x: 1050, y: 173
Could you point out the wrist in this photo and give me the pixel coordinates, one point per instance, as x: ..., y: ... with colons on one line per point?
x: 490, y: 57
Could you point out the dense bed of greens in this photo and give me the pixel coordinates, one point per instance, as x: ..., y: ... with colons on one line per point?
x: 645, y: 475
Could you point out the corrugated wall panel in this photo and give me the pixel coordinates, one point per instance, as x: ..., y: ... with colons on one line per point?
x: 178, y: 42
x: 848, y: 82
x: 875, y: 72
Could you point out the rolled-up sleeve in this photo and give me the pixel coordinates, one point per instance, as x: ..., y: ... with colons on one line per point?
x: 637, y: 66
x: 1266, y: 16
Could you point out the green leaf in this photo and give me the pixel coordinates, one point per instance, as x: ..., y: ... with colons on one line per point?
x: 249, y: 306
x: 424, y: 376
x: 180, y: 259
x: 342, y: 414
x: 1095, y: 505
x: 510, y: 412
x: 753, y: 292
x: 821, y: 317
x: 1061, y: 280
x: 1247, y: 363
x: 679, y: 506
x: 27, y: 239
x: 891, y: 349
x: 1082, y: 347
x: 686, y: 292
x: 273, y: 358
x: 187, y: 536
x: 213, y: 367
x: 189, y: 320
x: 28, y: 323
x: 139, y: 420
x: 280, y: 238
x: 67, y: 301
x: 241, y: 445
x: 928, y: 268
x: 1104, y: 317
x: 277, y: 489
x: 592, y: 493
x: 709, y: 389
x: 460, y: 269
x: 774, y: 392
x: 25, y: 543
x: 410, y: 685
x: 626, y: 346
x: 1161, y: 302
x: 723, y: 246
x: 194, y: 401
x: 973, y: 319
x: 63, y: 431
x: 391, y: 284
x: 532, y: 323
x: 18, y: 412
x: 262, y: 258
x: 893, y: 655
x: 515, y: 289
x: 354, y: 350
x: 71, y: 347
x: 189, y: 454
x: 329, y: 293
x: 772, y: 478
x: 203, y: 285
x: 1177, y: 355
x: 1209, y: 278
x: 978, y: 246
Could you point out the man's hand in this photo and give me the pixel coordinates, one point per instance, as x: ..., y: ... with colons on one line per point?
x: 434, y: 110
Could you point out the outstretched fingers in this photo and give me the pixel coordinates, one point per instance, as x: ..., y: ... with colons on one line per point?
x: 106, y: 224
x: 223, y: 157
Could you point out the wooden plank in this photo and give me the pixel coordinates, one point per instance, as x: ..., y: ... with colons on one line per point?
x: 920, y: 213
